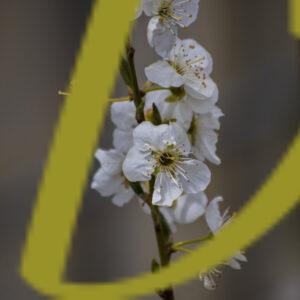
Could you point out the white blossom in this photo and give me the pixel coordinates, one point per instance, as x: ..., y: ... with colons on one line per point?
x: 188, y: 66
x: 189, y: 207
x: 179, y: 107
x: 139, y: 11
x: 215, y: 221
x: 203, y: 135
x: 123, y: 116
x: 186, y: 209
x: 165, y: 151
x: 209, y: 278
x: 166, y: 16
x: 109, y: 179
x: 235, y: 261
x: 169, y: 110
x: 166, y: 161
x: 200, y: 127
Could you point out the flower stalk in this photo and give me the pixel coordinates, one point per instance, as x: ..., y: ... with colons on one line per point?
x: 120, y: 99
x: 193, y: 241
x: 161, y: 228
x: 164, y: 240
x: 137, y: 96
x: 164, y: 133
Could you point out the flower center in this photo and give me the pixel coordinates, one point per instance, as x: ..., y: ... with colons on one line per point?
x: 126, y: 182
x: 177, y: 94
x: 166, y: 159
x: 193, y: 130
x: 165, y: 9
x: 189, y: 68
x: 178, y: 67
x: 171, y: 161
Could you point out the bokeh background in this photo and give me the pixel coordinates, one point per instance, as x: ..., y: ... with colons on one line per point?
x: 256, y: 65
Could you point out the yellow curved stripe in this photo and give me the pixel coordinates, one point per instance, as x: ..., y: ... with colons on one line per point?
x: 294, y: 18
x: 59, y: 197
x: 72, y: 149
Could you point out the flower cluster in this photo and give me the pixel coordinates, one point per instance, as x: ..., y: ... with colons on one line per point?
x: 165, y: 155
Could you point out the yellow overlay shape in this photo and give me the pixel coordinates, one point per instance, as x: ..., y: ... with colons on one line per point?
x: 59, y: 197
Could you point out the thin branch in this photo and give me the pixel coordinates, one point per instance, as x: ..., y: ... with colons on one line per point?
x: 193, y: 241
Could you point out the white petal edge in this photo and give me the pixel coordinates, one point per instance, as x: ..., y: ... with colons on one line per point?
x: 163, y: 74
x: 190, y: 207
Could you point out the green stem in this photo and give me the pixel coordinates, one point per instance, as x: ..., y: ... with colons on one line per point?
x: 163, y: 239
x: 61, y: 93
x: 120, y: 99
x: 194, y: 241
x: 177, y: 248
x: 162, y: 231
x: 137, y: 97
x: 156, y: 88
x: 163, y: 244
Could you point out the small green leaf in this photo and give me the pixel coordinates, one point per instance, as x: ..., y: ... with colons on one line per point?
x: 156, y: 117
x: 177, y: 94
x: 172, y: 99
x: 165, y: 227
x: 126, y: 72
x: 136, y: 187
x: 192, y: 131
x: 154, y: 266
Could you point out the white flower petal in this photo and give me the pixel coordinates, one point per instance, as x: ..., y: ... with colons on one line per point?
x: 137, y: 165
x: 205, y: 145
x: 110, y: 160
x: 235, y: 261
x: 123, y: 115
x: 158, y: 98
x: 213, y: 215
x: 211, y: 119
x: 165, y: 190
x: 177, y: 134
x: 203, y: 106
x: 139, y: 11
x: 234, y: 264
x: 183, y: 113
x: 149, y: 138
x: 145, y: 207
x: 147, y: 134
x: 203, y: 89
x: 209, y: 147
x: 158, y: 137
x: 198, y: 153
x: 205, y: 138
x: 197, y: 177
x: 122, y: 140
x: 123, y: 196
x: 190, y: 207
x: 196, y: 55
x: 161, y: 36
x: 208, y: 283
x: 180, y: 110
x: 169, y: 217
x: 187, y: 11
x: 150, y: 7
x: 240, y: 256
x: 106, y: 184
x: 163, y: 74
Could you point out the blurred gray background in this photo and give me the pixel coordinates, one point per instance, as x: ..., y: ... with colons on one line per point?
x: 256, y: 65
